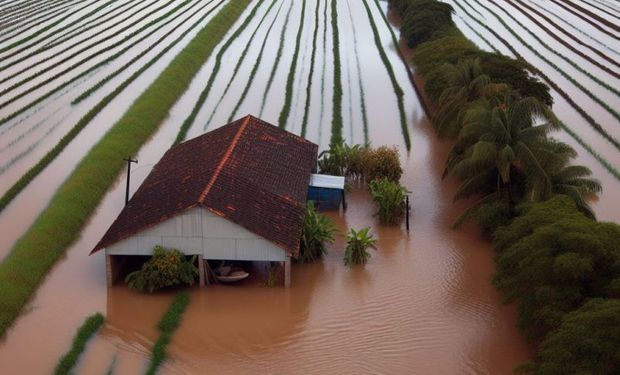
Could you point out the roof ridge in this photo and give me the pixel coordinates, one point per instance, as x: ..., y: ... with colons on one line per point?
x: 227, y: 154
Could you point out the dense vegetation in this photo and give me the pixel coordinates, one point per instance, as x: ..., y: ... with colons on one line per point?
x: 361, y: 162
x: 63, y: 219
x: 553, y: 258
x: 167, y: 267
x: 69, y: 360
x: 317, y: 231
x: 166, y: 327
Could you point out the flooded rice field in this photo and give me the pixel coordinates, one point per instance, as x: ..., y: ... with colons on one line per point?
x: 424, y: 303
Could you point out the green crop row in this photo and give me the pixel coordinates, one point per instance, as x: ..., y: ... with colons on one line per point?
x: 23, y: 181
x: 86, y: 331
x: 62, y: 221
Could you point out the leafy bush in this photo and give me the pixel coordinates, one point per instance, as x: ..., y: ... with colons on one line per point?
x: 552, y: 260
x: 358, y: 243
x: 318, y: 229
x: 165, y: 268
x: 586, y: 342
x: 390, y: 197
x: 381, y: 162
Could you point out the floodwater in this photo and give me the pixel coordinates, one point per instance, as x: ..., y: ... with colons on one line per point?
x: 423, y: 304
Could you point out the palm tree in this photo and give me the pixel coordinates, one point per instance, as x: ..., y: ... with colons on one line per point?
x: 466, y: 84
x: 571, y: 180
x: 498, y: 144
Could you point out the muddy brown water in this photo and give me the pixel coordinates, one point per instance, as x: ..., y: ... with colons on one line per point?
x: 423, y: 304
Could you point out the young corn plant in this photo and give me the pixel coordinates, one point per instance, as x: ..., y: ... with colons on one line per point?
x: 318, y: 230
x: 390, y: 196
x: 358, y: 243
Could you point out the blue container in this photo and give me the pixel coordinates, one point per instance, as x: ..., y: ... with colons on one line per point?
x: 325, y: 198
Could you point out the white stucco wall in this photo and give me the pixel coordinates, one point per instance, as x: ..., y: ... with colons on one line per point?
x: 199, y: 231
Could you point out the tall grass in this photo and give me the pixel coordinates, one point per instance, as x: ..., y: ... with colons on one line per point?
x: 16, y: 188
x: 337, y: 94
x: 86, y: 331
x: 240, y: 61
x: 390, y: 70
x: 61, y: 222
x: 304, y: 121
x: 189, y: 120
x: 288, y: 95
x: 166, y: 327
x: 259, y: 59
x: 277, y: 60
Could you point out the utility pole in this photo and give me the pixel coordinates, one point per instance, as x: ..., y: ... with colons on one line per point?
x: 129, y: 160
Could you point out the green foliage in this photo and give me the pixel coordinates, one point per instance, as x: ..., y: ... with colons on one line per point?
x: 304, y: 121
x: 88, y: 329
x: 358, y: 243
x: 552, y: 259
x: 381, y: 162
x: 318, y: 229
x: 586, y: 342
x: 165, y: 268
x: 390, y: 197
x: 166, y: 327
x: 341, y: 160
x: 337, y: 95
x: 62, y: 220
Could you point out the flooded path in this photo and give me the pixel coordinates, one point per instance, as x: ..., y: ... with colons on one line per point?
x: 423, y: 304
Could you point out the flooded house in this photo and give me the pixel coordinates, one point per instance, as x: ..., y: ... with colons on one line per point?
x: 237, y: 193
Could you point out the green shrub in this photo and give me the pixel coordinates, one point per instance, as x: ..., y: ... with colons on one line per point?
x: 381, y: 162
x: 587, y: 342
x: 390, y: 197
x: 318, y: 230
x: 358, y: 243
x: 552, y: 260
x: 165, y: 268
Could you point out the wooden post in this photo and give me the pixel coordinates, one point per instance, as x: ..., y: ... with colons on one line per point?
x: 108, y: 270
x: 201, y: 270
x: 287, y: 271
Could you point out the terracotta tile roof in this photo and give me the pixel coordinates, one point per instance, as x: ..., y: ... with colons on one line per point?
x: 249, y: 172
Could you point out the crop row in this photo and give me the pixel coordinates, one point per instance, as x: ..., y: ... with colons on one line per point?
x: 588, y: 118
x: 240, y: 61
x: 16, y: 188
x: 388, y: 66
x: 288, y: 95
x: 304, y: 121
x: 84, y: 73
x: 189, y: 120
x: 359, y: 78
x: 259, y: 59
x: 62, y: 220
